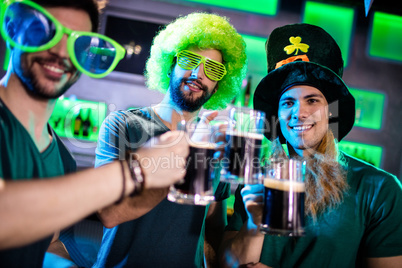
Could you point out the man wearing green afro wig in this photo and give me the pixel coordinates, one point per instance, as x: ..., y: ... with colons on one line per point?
x: 198, y: 61
x: 202, y: 31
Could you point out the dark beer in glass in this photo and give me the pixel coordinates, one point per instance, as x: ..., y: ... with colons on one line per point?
x: 284, y: 198
x: 284, y: 207
x: 244, y: 136
x: 243, y: 157
x: 196, y: 187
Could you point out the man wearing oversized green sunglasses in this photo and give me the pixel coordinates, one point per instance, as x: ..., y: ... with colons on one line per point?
x: 91, y: 53
x: 198, y: 61
x: 52, y: 42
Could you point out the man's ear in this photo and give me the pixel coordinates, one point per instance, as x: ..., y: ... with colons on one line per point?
x: 173, y: 64
x: 11, y: 29
x: 216, y: 88
x: 11, y: 32
x: 172, y: 67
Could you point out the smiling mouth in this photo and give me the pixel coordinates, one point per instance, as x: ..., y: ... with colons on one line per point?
x: 194, y: 86
x: 302, y: 128
x: 53, y: 69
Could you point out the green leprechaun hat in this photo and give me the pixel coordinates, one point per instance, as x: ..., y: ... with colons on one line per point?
x: 304, y: 54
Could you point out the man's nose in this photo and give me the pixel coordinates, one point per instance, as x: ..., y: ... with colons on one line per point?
x: 60, y: 49
x: 197, y: 72
x: 299, y: 111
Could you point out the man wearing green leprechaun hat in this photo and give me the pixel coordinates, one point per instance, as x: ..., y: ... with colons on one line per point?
x: 352, y: 209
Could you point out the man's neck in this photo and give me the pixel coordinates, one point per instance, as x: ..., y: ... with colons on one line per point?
x: 304, y: 153
x: 171, y: 115
x: 32, y: 113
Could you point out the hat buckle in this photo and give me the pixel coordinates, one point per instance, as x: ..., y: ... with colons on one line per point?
x: 291, y: 59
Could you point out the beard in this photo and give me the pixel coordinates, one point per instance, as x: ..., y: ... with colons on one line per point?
x: 187, y: 101
x: 33, y: 84
x: 41, y: 92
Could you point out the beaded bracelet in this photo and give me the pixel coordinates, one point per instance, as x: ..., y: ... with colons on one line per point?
x: 137, y: 176
x: 136, y: 173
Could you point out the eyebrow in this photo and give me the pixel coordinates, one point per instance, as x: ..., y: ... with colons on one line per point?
x: 286, y: 98
x: 314, y: 95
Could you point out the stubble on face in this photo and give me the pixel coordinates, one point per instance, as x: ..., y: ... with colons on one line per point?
x: 49, y: 74
x: 47, y: 87
x: 188, y: 101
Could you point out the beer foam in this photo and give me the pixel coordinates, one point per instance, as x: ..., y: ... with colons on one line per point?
x: 256, y: 136
x: 284, y: 185
x: 203, y: 145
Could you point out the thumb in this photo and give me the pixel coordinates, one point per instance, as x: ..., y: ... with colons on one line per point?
x: 208, y: 116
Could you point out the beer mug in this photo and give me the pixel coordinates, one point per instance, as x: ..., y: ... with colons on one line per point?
x: 244, y: 136
x: 202, y: 162
x: 284, y: 198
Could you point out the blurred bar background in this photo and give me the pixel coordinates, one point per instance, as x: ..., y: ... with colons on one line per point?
x: 368, y: 32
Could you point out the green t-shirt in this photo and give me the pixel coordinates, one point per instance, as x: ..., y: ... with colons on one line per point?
x: 368, y: 223
x: 20, y: 159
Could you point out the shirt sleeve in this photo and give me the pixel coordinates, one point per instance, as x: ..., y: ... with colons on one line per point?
x: 239, y: 215
x: 222, y: 191
x: 383, y: 236
x: 112, y: 139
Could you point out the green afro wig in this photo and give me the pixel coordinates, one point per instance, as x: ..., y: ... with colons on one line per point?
x: 203, y: 31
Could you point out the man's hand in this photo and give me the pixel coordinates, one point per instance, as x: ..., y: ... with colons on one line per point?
x: 163, y: 159
x: 207, y: 117
x: 253, y: 199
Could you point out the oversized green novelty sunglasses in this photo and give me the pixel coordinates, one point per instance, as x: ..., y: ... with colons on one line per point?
x: 189, y: 60
x: 30, y: 28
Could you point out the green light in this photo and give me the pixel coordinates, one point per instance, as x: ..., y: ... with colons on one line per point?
x: 255, y: 50
x: 256, y: 67
x: 336, y: 20
x: 369, y: 108
x: 264, y: 7
x: 66, y: 123
x: 7, y: 50
x: 386, y: 36
x: 6, y: 59
x: 230, y: 204
x: 369, y: 153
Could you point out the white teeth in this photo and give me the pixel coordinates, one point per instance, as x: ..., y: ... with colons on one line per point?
x: 302, y: 128
x: 54, y: 69
x: 193, y: 86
